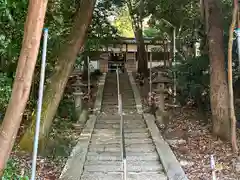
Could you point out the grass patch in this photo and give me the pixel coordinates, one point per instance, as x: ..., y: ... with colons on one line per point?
x: 13, y: 171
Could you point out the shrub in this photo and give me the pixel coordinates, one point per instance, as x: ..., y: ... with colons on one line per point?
x: 12, y: 171
x: 193, y: 81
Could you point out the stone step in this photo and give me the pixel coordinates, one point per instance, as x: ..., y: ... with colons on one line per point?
x: 116, y: 156
x: 116, y: 166
x: 110, y: 98
x: 117, y: 126
x: 117, y: 148
x: 114, y: 97
x: 126, y: 102
x: 109, y: 106
x: 125, y: 93
x: 126, y: 89
x: 105, y: 130
x: 126, y: 117
x: 117, y: 119
x: 125, y: 110
x: 137, y: 135
x: 110, y: 102
x: 127, y: 135
x: 129, y: 106
x: 114, y: 103
x: 109, y: 110
x: 126, y: 121
x: 119, y: 176
x: 116, y: 139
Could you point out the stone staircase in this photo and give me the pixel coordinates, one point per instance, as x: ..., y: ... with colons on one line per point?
x: 103, y: 160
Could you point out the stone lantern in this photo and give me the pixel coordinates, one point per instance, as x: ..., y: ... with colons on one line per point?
x: 159, y: 83
x: 78, y: 96
x: 159, y: 71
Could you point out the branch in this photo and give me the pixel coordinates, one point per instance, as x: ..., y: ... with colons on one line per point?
x: 230, y: 81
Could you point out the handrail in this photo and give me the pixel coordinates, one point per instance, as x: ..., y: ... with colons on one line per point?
x: 39, y: 105
x: 150, y: 76
x: 123, y: 139
x: 123, y: 150
x: 118, y: 87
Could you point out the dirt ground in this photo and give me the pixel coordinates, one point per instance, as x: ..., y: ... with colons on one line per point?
x: 192, y: 142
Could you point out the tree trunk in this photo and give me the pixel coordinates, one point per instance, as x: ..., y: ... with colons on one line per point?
x: 230, y: 80
x: 142, y: 60
x: 218, y: 82
x: 24, y: 74
x: 54, y: 90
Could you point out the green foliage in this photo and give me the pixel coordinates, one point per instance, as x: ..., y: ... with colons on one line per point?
x: 193, y: 80
x: 66, y: 107
x: 123, y: 23
x: 12, y: 171
x: 150, y: 32
x: 5, y: 91
x: 60, y: 139
x: 13, y: 14
x: 101, y: 31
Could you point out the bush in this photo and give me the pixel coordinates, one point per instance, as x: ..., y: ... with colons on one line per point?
x: 193, y: 81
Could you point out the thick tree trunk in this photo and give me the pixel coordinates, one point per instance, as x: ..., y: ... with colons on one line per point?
x: 218, y: 82
x: 22, y: 83
x: 142, y: 60
x: 54, y: 90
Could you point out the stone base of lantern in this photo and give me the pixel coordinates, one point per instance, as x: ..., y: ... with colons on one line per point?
x: 161, y: 106
x: 83, y: 116
x: 78, y: 104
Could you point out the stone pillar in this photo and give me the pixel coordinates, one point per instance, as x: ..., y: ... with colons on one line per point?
x: 78, y: 103
x: 160, y: 104
x: 78, y: 97
x: 160, y: 95
x: 81, y: 112
x: 159, y: 83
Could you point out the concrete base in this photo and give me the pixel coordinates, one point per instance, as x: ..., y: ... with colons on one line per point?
x: 99, y: 96
x: 136, y: 93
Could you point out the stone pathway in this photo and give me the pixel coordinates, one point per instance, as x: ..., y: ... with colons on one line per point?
x: 98, y: 153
